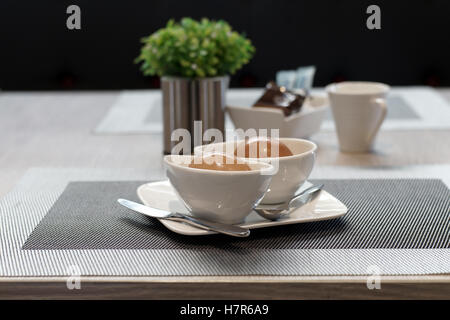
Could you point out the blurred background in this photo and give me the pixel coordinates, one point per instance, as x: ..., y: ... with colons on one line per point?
x: 38, y: 52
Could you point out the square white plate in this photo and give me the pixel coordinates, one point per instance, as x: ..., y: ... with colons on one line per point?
x: 161, y: 195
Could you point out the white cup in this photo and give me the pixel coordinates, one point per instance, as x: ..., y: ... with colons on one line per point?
x: 359, y: 109
x: 221, y: 196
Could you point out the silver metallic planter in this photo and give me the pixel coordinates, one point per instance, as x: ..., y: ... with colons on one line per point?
x: 187, y: 100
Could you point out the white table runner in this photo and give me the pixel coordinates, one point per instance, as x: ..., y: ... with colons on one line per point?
x: 140, y: 111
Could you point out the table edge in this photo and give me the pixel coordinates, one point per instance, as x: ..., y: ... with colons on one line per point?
x: 438, y: 278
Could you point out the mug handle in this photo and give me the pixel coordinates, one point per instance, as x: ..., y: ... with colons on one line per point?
x: 381, y: 103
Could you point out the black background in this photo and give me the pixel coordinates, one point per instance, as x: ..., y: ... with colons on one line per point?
x: 291, y: 309
x: 38, y: 52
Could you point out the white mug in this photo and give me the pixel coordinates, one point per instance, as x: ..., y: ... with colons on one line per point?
x: 359, y: 109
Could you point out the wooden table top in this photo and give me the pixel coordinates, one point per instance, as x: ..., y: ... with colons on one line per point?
x: 40, y: 129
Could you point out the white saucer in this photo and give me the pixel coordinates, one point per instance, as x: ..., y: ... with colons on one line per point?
x: 161, y: 195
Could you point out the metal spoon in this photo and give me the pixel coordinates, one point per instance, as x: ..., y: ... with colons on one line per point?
x: 231, y: 230
x: 275, y: 212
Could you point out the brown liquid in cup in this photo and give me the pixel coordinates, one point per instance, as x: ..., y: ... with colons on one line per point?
x: 264, y: 148
x: 219, y: 163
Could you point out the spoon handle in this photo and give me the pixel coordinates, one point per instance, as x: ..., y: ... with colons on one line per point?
x: 227, y: 229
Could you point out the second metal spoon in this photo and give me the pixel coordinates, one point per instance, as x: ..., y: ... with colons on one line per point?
x: 275, y: 212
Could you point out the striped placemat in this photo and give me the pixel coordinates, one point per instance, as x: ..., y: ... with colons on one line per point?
x: 383, y: 214
x: 56, y: 218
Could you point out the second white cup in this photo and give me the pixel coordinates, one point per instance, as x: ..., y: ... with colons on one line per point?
x: 291, y: 171
x: 359, y: 109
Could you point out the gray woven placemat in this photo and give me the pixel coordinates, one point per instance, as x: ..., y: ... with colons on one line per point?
x: 383, y: 214
x: 37, y: 193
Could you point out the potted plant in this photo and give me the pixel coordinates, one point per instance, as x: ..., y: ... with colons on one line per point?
x: 194, y: 60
